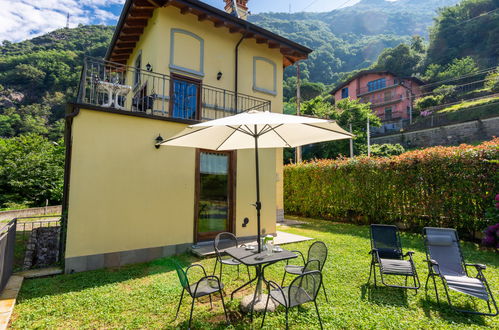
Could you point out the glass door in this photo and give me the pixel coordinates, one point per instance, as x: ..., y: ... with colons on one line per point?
x: 185, y: 98
x: 214, y: 194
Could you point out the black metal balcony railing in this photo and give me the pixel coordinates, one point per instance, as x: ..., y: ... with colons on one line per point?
x: 113, y: 85
x: 378, y: 100
x: 388, y: 84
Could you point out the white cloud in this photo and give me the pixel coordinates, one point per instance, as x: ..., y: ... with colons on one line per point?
x: 25, y: 19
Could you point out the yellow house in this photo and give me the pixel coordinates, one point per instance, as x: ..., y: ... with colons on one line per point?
x: 170, y: 64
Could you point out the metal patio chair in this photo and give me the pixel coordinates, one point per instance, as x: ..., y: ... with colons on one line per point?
x: 386, y: 254
x: 303, y: 289
x: 206, y: 286
x: 222, y: 242
x: 317, y: 251
x: 445, y: 260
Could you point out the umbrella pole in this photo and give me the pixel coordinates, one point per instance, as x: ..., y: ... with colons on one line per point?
x: 258, y: 204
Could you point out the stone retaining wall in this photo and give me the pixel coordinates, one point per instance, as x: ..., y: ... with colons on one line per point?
x: 467, y: 132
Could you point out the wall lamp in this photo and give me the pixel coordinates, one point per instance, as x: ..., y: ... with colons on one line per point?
x: 219, y: 75
x: 158, y: 140
x: 149, y: 67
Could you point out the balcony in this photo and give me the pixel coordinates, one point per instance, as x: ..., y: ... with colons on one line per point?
x: 111, y: 85
x: 387, y: 85
x: 382, y: 99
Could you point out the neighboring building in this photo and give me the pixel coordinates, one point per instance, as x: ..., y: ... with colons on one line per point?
x: 170, y: 64
x: 391, y: 96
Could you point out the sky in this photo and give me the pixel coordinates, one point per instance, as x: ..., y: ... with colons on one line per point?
x: 26, y: 19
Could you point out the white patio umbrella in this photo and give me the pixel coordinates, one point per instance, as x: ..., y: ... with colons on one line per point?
x: 258, y: 129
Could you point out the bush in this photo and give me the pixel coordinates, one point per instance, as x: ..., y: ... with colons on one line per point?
x: 386, y: 150
x: 492, y: 81
x: 428, y: 102
x: 439, y: 186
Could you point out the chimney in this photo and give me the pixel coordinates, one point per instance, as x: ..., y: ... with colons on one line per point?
x: 237, y: 8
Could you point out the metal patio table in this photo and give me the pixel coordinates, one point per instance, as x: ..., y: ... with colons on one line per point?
x: 259, y: 261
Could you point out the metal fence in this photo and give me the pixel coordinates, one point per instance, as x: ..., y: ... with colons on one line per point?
x: 26, y: 224
x: 113, y: 85
x: 7, y: 246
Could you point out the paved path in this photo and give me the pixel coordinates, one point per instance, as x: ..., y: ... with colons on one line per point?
x: 8, y: 299
x: 206, y: 249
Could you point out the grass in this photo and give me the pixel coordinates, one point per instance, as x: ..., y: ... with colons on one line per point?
x: 469, y: 104
x: 145, y: 295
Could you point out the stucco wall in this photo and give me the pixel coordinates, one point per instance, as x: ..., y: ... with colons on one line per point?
x: 219, y: 56
x: 127, y: 195
x: 397, y: 94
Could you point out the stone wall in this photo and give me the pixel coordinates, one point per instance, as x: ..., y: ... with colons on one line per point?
x: 43, y: 247
x: 455, y: 134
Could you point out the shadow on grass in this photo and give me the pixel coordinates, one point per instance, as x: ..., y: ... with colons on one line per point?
x: 445, y: 311
x: 61, y: 284
x: 410, y: 241
x: 384, y: 295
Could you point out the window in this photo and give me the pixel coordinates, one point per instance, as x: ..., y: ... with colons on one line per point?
x: 185, y: 97
x: 408, y: 111
x: 388, y: 113
x: 344, y: 93
x: 376, y: 84
x: 264, y: 75
x: 182, y: 43
x: 136, y: 75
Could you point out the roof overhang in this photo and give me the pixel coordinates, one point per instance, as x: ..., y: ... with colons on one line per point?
x: 366, y: 72
x: 136, y: 13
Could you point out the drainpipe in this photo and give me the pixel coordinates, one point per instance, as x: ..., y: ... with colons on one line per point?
x: 236, y: 85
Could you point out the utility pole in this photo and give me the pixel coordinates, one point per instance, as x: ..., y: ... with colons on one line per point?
x: 410, y: 107
x: 351, y: 143
x: 368, y: 139
x: 298, y: 110
x: 67, y: 22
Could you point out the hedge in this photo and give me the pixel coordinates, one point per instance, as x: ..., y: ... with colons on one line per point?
x: 438, y: 186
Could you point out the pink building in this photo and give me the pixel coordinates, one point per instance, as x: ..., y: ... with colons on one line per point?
x: 391, y: 97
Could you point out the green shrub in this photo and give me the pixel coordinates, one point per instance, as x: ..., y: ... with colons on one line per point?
x: 439, y: 186
x: 492, y: 81
x: 386, y: 150
x: 428, y: 102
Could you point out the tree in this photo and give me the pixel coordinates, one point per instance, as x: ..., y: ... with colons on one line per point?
x: 418, y: 44
x: 401, y: 60
x: 345, y: 112
x: 31, y: 170
x: 309, y: 90
x: 456, y: 68
x: 467, y: 29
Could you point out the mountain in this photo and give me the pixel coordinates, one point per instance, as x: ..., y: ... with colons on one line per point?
x: 38, y: 76
x: 352, y: 38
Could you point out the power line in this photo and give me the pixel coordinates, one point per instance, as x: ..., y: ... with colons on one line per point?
x: 315, y: 1
x: 469, y: 20
x: 440, y: 82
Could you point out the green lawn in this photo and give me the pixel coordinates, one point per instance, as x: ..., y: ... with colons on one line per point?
x: 469, y: 104
x: 145, y: 295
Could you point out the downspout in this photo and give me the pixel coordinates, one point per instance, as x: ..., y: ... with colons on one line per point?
x: 71, y: 112
x: 236, y: 85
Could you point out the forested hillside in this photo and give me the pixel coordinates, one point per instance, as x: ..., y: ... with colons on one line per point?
x: 39, y: 76
x: 352, y: 38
